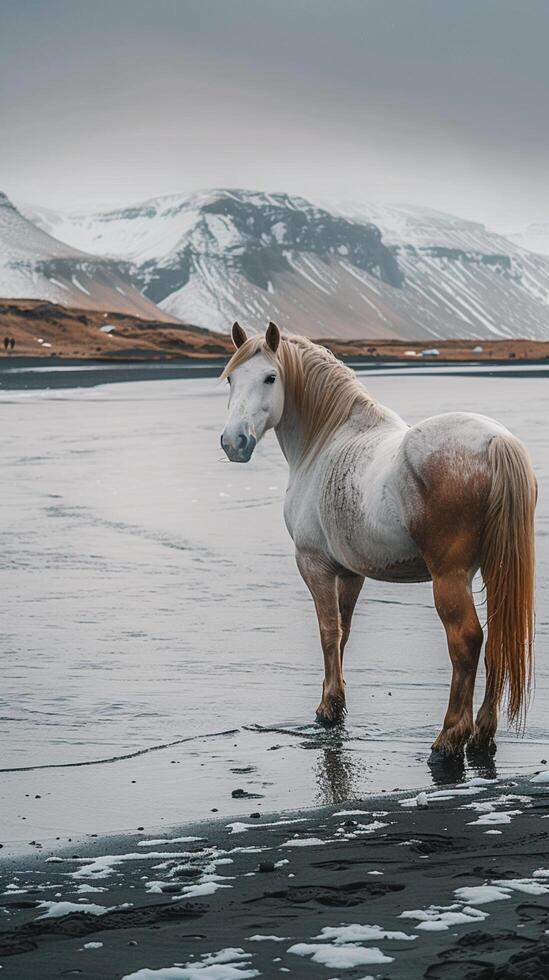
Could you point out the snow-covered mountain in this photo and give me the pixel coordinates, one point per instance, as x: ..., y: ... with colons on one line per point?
x: 213, y: 257
x: 462, y: 280
x: 348, y: 271
x: 534, y: 237
x: 33, y: 265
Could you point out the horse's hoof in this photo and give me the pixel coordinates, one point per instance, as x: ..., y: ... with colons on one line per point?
x: 325, y: 720
x: 446, y: 754
x: 330, y: 714
x: 481, y: 747
x: 443, y: 750
x: 451, y: 742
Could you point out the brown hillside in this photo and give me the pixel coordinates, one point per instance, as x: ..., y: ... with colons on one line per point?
x: 43, y: 329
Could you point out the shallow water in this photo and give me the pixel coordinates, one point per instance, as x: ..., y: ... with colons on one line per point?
x: 151, y: 597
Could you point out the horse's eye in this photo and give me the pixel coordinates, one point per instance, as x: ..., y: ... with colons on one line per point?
x: 270, y: 379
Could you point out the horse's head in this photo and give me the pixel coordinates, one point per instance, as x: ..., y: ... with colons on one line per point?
x: 256, y: 400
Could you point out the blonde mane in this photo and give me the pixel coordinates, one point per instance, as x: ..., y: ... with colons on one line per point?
x: 324, y: 390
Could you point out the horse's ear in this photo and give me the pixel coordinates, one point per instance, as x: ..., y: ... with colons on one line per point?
x: 272, y: 337
x: 238, y: 335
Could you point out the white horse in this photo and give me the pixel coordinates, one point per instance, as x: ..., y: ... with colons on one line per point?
x: 371, y: 497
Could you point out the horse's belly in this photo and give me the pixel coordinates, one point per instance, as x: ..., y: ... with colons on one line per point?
x: 407, y: 570
x: 394, y: 557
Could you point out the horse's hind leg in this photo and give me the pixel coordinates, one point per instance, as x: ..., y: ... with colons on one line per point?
x: 348, y: 591
x: 456, y: 608
x: 321, y: 580
x: 484, y: 735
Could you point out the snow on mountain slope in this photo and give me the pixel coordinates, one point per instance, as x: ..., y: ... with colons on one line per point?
x: 350, y: 271
x: 420, y: 227
x: 33, y: 265
x: 534, y: 237
x: 147, y: 231
x: 460, y: 272
x: 219, y: 255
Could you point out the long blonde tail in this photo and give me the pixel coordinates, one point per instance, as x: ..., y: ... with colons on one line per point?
x: 507, y: 566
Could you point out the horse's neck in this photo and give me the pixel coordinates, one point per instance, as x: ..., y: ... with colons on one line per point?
x: 290, y: 430
x: 289, y: 433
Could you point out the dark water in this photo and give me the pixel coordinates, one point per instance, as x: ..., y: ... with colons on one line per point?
x: 153, y: 615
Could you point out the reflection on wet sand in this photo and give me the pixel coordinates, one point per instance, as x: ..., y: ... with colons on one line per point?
x: 339, y: 770
x: 445, y: 771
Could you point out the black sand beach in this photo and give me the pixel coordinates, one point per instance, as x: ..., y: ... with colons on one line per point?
x: 450, y: 884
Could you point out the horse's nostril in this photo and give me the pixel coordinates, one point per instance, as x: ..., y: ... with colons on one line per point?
x: 241, y: 442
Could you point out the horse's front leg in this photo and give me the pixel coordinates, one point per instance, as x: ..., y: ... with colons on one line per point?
x: 321, y: 580
x: 348, y: 591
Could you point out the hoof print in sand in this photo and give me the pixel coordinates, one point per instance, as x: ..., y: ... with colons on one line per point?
x: 344, y: 895
x: 79, y: 924
x: 460, y: 970
x: 12, y: 945
x: 534, y: 913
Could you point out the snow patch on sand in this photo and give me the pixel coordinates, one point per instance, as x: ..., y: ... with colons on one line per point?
x: 481, y: 894
x: 439, y: 917
x: 104, y: 865
x: 356, y: 933
x: 227, y: 964
x: 526, y: 885
x: 238, y: 827
x: 203, y: 888
x: 493, y: 817
x: 56, y: 909
x: 472, y: 788
x: 168, y: 840
x: 361, y: 828
x: 305, y: 842
x: 340, y: 957
x: 541, y: 777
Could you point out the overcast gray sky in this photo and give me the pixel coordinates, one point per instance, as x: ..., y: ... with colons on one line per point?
x: 436, y: 102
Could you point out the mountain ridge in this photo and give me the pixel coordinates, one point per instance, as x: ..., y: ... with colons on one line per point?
x: 35, y: 265
x: 354, y: 271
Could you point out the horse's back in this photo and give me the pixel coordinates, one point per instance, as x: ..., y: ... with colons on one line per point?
x: 451, y: 432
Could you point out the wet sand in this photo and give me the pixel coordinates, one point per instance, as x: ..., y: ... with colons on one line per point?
x: 160, y: 650
x: 451, y: 884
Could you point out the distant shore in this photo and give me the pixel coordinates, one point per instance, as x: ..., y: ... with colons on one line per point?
x: 56, y: 373
x: 44, y: 331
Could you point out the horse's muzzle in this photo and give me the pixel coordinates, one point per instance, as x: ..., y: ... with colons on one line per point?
x: 238, y: 449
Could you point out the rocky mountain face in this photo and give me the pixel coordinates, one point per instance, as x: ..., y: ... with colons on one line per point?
x: 214, y: 257
x: 34, y: 265
x: 347, y: 271
x: 462, y: 280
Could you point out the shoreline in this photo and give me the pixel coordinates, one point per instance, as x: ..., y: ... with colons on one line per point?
x: 37, y: 374
x: 333, y: 891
